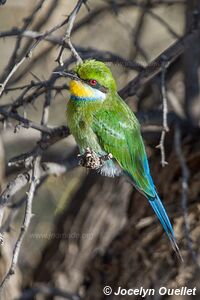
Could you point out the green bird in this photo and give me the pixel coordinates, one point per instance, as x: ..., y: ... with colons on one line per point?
x: 100, y: 120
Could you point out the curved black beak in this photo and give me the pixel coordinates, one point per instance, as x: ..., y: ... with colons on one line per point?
x: 68, y: 74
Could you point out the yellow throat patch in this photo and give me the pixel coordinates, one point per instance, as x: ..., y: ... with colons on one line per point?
x: 78, y: 89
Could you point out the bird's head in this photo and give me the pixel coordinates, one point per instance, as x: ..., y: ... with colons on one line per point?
x: 91, y: 81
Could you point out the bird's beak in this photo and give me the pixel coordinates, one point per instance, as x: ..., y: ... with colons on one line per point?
x: 70, y: 75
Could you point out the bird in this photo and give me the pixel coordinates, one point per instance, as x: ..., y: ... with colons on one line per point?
x: 100, y: 120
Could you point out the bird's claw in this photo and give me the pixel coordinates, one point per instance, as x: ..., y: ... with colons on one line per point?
x: 89, y: 159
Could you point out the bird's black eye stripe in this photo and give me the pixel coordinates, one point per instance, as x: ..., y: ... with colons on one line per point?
x: 102, y: 89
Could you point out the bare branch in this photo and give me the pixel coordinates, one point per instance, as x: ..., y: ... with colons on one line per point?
x: 165, y: 128
x: 27, y: 218
x: 25, y: 122
x: 47, y: 168
x: 155, y: 67
x: 29, y: 53
x: 15, y: 185
x: 27, y: 22
x: 67, y: 36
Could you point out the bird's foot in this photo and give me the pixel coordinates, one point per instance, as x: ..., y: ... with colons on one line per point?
x: 91, y: 160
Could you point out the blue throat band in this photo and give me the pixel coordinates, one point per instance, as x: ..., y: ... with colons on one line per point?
x: 75, y: 98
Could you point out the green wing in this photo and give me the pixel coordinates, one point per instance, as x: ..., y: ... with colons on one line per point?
x: 118, y: 132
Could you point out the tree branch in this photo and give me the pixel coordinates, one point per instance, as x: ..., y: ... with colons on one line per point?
x: 155, y: 67
x: 67, y: 36
x: 27, y: 219
x: 165, y: 128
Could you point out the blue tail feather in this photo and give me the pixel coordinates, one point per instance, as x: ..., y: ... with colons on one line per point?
x: 161, y: 214
x: 157, y: 206
x: 164, y: 220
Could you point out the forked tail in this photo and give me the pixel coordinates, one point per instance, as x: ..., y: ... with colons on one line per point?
x: 162, y: 216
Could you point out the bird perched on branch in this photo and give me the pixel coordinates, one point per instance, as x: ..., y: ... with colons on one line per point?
x: 108, y: 133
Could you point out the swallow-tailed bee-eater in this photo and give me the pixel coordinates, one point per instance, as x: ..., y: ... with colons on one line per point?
x: 100, y: 120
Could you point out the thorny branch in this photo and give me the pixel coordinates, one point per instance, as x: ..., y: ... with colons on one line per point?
x: 27, y: 218
x: 25, y: 122
x: 165, y: 128
x: 67, y: 36
x: 28, y: 53
x: 27, y: 22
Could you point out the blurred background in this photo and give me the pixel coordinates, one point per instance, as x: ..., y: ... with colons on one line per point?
x: 90, y: 231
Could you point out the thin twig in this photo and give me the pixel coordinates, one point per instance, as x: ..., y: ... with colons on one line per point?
x: 28, y: 54
x: 165, y: 128
x: 27, y: 219
x: 27, y: 22
x: 45, y: 142
x: 25, y: 122
x: 67, y: 36
x: 104, y: 54
x: 48, y: 97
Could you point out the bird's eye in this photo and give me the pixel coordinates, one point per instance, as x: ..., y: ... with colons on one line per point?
x: 93, y: 82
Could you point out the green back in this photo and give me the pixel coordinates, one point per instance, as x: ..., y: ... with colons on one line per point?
x: 118, y: 132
